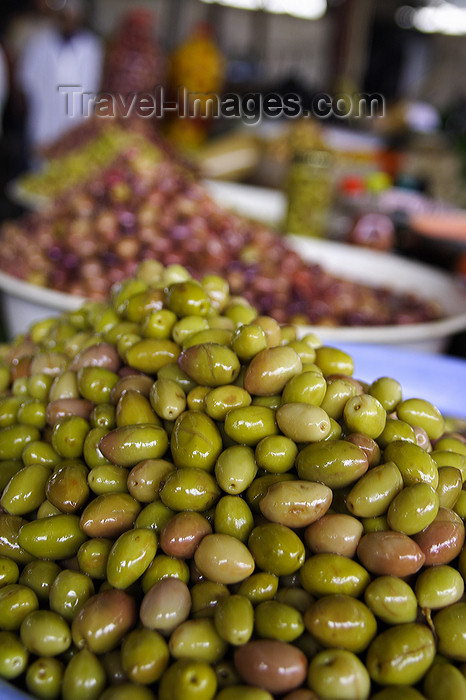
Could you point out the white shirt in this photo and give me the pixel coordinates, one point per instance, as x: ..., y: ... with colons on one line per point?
x: 48, y: 63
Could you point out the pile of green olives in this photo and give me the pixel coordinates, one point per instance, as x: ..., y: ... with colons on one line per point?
x: 199, y: 504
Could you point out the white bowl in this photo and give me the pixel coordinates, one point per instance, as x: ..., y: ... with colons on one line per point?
x: 24, y: 303
x: 399, y: 275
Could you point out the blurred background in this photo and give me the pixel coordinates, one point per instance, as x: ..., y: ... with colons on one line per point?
x: 394, y: 181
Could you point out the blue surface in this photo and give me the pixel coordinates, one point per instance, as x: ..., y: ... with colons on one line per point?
x: 438, y: 378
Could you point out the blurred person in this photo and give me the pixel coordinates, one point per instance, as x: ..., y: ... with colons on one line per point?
x: 66, y: 54
x: 198, y: 67
x: 134, y: 61
x: 4, y: 85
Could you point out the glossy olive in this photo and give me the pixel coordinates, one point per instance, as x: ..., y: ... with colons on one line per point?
x: 327, y: 573
x: 276, y: 549
x: 341, y: 621
x: 401, y: 654
x: 195, y: 441
x: 391, y: 599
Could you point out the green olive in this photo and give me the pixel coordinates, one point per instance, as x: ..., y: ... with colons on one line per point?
x: 220, y: 336
x: 233, y: 517
x: 295, y: 503
x: 401, y: 655
x: 247, y: 341
x: 364, y: 413
x: 188, y: 679
x: 10, y: 526
x: 39, y: 576
x: 130, y: 444
x: 217, y: 289
x: 388, y: 391
x: 338, y: 673
x: 276, y: 549
x: 326, y: 574
x: 151, y: 354
x: 158, y: 324
x: 438, y: 587
x: 146, y: 479
x: 395, y: 429
x: 335, y: 463
x: 189, y: 488
x: 26, y: 489
x: 210, y: 364
x: 449, y: 624
x: 45, y: 633
x: 449, y: 486
x: 423, y: 414
x: 303, y: 422
x: 16, y: 602
x: 167, y: 399
x: 391, y: 599
x: 276, y: 620
x: 84, y: 677
x: 187, y: 298
x: 13, y: 656
x: 308, y: 387
x: 96, y: 383
x: 144, y: 656
x: 374, y: 491
x: 234, y: 619
x: 92, y: 557
x: 154, y: 516
x: 9, y: 407
x: 32, y: 412
x: 195, y: 398
x: 235, y: 469
x: 341, y: 621
x: 259, y: 587
x: 130, y: 556
x: 195, y: 441
x: 276, y: 453
x: 270, y: 370
x: 8, y: 469
x: 443, y: 680
x: 14, y: 438
x: 250, y: 424
x: 414, y: 463
x: 163, y: 567
x: 68, y: 436
x: 44, y: 678
x: 56, y: 537
x: 413, y: 509
x: 222, y: 399
x: 224, y: 559
x: 197, y: 640
x: 39, y: 452
x: 205, y: 596
x: 9, y: 571
x: 261, y: 484
x: 108, y: 478
x: 333, y: 361
x: 134, y: 408
x: 68, y: 592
